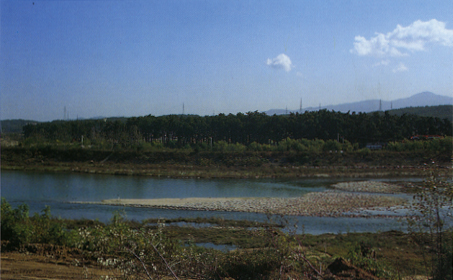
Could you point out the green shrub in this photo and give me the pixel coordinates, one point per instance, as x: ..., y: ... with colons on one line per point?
x: 440, y: 145
x: 15, y: 224
x: 220, y: 146
x: 223, y: 146
x: 361, y: 255
x: 255, y: 147
x: 332, y: 145
x: 364, y: 152
x: 19, y: 229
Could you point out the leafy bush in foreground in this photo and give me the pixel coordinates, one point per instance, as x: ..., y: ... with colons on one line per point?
x: 18, y: 228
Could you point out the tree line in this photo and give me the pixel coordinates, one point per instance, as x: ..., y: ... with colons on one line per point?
x: 242, y: 128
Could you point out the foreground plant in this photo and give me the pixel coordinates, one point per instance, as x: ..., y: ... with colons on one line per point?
x: 133, y: 250
x: 431, y: 225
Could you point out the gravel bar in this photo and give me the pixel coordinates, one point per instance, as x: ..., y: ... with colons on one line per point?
x: 328, y: 204
x: 368, y: 186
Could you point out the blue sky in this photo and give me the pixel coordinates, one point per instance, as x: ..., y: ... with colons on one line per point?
x: 134, y: 58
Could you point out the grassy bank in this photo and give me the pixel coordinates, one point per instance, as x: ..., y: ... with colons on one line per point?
x: 247, y: 164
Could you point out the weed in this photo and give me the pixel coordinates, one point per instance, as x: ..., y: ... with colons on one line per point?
x: 430, y: 225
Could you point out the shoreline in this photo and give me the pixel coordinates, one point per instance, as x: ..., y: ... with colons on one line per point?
x: 188, y: 172
x: 209, y: 164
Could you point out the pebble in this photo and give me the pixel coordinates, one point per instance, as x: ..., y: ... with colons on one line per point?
x: 368, y: 186
x: 326, y: 204
x: 345, y: 198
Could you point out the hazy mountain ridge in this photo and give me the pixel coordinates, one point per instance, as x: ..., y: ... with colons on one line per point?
x: 417, y: 100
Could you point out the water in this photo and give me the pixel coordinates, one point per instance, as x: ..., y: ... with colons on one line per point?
x: 65, y: 187
x: 221, y: 247
x: 58, y: 189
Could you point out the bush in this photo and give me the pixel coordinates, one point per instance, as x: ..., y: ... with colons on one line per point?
x: 362, y: 256
x: 15, y: 224
x: 430, y: 223
x: 255, y: 147
x: 442, y: 145
x: 222, y: 146
x: 332, y: 145
x: 19, y: 229
x: 364, y: 152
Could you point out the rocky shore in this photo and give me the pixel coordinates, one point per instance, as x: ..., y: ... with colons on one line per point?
x: 368, y: 186
x: 330, y: 203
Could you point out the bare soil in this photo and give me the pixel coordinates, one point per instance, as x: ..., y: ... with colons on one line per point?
x: 15, y: 265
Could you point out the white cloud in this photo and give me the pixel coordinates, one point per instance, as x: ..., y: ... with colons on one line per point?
x: 382, y: 62
x: 400, y: 68
x: 282, y: 61
x: 412, y: 38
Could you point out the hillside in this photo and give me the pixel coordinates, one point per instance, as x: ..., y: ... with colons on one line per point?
x: 441, y: 111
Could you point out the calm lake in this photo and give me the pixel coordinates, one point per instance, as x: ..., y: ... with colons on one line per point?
x: 59, y: 189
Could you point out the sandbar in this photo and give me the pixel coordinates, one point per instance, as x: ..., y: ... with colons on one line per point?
x: 328, y: 203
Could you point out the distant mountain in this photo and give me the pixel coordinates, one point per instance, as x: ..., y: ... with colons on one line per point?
x: 422, y: 99
x: 418, y: 100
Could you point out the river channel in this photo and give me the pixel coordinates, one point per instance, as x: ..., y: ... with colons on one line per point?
x: 58, y: 190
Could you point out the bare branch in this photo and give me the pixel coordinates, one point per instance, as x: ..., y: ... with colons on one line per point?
x: 141, y: 261
x: 307, y: 261
x: 165, y: 261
